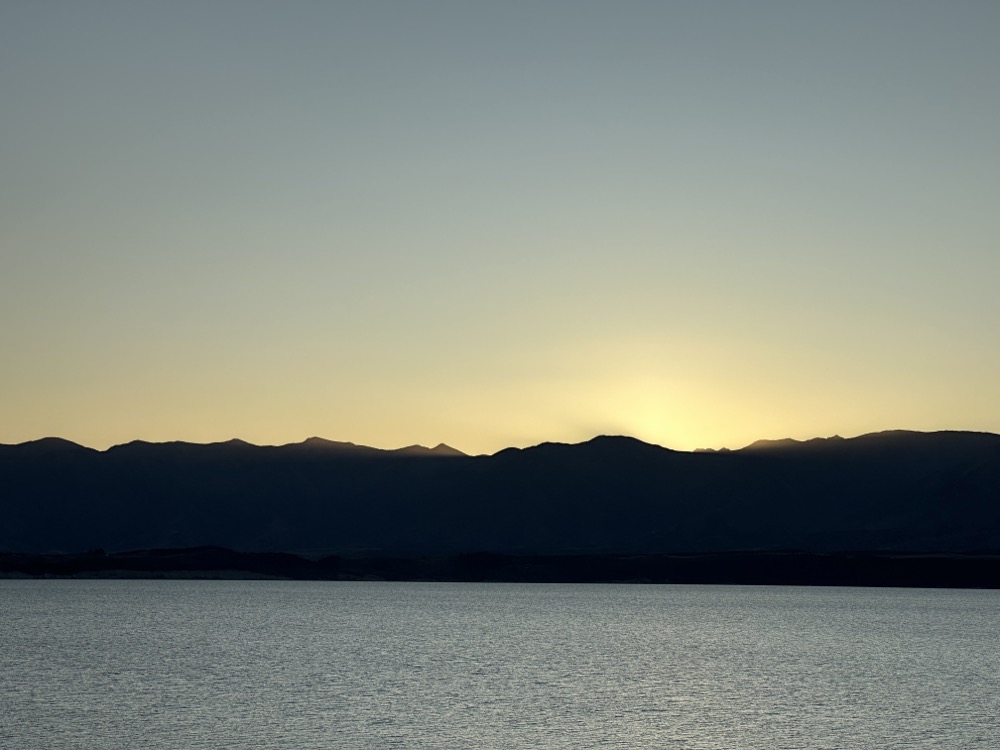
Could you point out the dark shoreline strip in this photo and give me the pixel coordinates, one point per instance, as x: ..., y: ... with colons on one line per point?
x: 749, y: 568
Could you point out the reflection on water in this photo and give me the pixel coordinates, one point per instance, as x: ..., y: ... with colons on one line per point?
x: 225, y: 664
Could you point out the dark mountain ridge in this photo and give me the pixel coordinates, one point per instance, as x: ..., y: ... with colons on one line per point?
x: 888, y: 492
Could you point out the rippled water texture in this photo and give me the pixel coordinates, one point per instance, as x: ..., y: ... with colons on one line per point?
x: 227, y: 664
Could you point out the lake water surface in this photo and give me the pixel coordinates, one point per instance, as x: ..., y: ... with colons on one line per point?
x: 253, y: 664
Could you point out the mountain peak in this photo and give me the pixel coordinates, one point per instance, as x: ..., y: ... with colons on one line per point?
x: 766, y: 444
x: 421, y: 450
x: 51, y: 445
x: 318, y: 443
x: 816, y: 442
x: 443, y: 449
x: 236, y: 442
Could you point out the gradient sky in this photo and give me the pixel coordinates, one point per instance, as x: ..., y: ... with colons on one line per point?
x: 498, y: 223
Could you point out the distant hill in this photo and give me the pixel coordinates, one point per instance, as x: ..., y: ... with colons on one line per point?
x: 891, y: 491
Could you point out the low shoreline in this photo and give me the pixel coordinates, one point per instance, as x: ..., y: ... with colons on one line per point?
x: 746, y: 568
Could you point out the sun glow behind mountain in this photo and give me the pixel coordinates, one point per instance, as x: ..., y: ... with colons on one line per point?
x: 424, y: 222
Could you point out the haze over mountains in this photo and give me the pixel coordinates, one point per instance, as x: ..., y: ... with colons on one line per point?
x: 890, y: 491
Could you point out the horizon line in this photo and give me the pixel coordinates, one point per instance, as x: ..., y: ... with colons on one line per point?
x: 444, y: 449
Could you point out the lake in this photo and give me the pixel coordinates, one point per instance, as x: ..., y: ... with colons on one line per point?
x: 96, y: 665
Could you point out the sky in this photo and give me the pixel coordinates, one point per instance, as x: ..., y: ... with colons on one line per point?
x: 498, y: 223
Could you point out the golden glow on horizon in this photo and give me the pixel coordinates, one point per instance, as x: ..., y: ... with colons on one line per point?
x: 517, y: 224
x: 662, y: 409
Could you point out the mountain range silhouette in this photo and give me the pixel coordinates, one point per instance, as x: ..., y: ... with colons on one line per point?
x: 899, y: 491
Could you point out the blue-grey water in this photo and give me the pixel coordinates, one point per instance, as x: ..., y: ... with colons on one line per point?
x: 251, y: 664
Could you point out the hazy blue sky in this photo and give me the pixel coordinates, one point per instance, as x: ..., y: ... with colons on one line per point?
x: 493, y: 224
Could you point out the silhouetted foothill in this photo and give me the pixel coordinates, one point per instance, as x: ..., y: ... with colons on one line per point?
x: 891, y: 491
